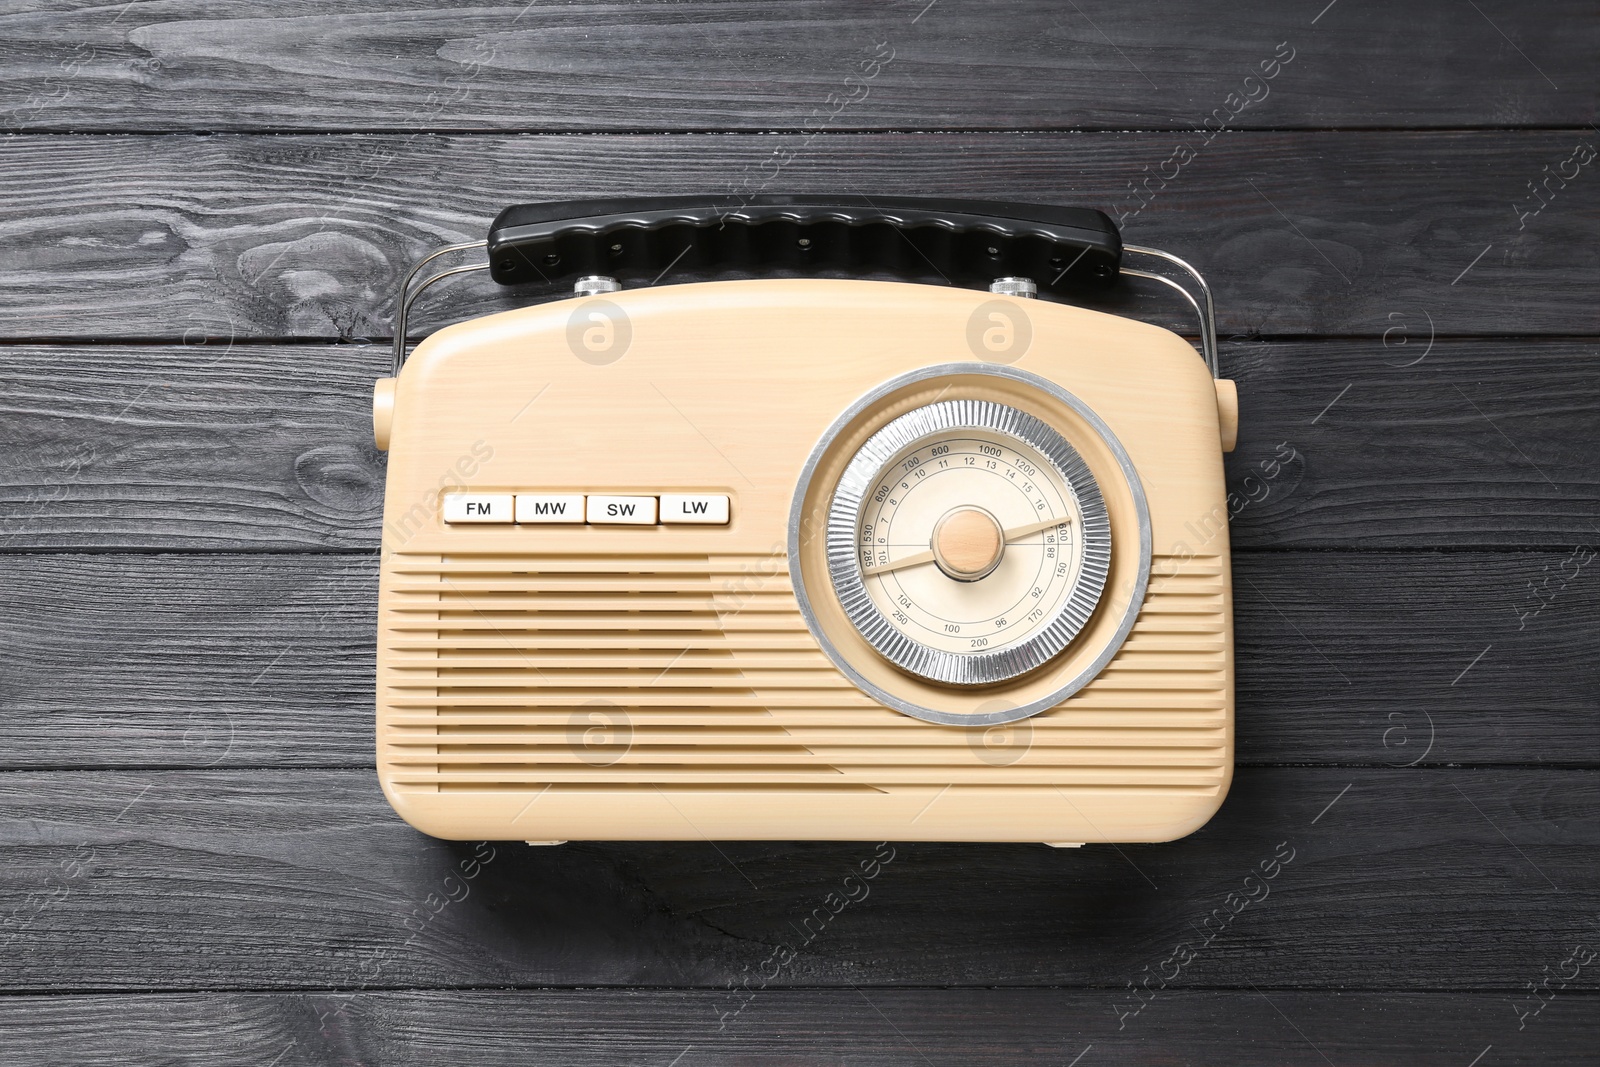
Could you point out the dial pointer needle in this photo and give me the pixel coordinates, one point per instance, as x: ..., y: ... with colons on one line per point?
x: 1018, y: 532
x: 1008, y: 536
x: 912, y: 560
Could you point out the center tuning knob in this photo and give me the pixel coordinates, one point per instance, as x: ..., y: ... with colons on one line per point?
x: 968, y: 543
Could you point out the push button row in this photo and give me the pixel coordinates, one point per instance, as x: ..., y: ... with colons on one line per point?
x: 705, y: 509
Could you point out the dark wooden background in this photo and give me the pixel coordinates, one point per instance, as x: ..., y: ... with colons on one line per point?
x: 203, y: 210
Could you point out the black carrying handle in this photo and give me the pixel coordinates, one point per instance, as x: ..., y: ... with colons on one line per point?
x: 962, y: 242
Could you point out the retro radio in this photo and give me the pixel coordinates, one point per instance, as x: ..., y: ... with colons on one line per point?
x: 806, y: 553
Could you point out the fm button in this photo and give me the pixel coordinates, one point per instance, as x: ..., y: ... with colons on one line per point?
x: 478, y: 507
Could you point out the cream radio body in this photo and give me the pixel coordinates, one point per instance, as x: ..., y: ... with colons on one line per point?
x: 804, y: 558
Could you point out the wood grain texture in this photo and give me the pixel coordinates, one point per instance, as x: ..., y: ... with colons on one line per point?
x: 1407, y: 880
x: 235, y: 445
x: 246, y: 237
x: 251, y: 660
x: 243, y: 447
x: 198, y: 864
x: 876, y: 1028
x: 204, y: 65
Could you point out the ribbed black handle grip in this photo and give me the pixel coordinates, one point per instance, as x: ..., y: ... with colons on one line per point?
x: 962, y: 242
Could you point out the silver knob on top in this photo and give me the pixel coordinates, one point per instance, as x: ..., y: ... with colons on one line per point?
x: 594, y: 284
x: 1014, y: 287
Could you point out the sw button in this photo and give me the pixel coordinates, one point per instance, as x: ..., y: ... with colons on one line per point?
x: 630, y: 510
x: 707, y: 508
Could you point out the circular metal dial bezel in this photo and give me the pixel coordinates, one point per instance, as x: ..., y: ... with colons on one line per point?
x: 904, y: 435
x: 811, y: 584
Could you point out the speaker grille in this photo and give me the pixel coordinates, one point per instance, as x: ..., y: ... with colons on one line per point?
x: 518, y: 673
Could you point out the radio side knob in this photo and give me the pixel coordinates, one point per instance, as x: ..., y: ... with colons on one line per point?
x: 382, y: 411
x: 1228, y: 413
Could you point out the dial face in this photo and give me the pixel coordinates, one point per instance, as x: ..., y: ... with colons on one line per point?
x: 968, y: 542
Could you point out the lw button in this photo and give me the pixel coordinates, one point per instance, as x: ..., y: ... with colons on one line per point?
x: 706, y: 508
x: 477, y: 507
x: 626, y: 510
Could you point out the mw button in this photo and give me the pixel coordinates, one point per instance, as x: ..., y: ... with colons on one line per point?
x: 549, y: 507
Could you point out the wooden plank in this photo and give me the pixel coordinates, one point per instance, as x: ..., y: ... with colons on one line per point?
x: 205, y: 65
x: 198, y: 448
x: 266, y: 660
x: 202, y: 660
x: 1411, y: 880
x: 238, y: 237
x: 1411, y: 423
x: 602, y: 1028
x: 1481, y: 444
